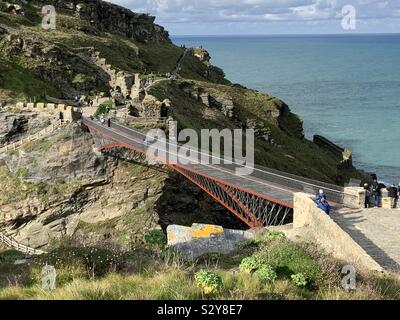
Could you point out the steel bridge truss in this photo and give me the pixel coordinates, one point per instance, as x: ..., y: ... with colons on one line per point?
x: 252, y: 209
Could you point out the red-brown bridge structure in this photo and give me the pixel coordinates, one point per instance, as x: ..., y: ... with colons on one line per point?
x: 262, y: 198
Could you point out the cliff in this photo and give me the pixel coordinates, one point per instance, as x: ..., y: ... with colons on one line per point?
x: 59, y: 186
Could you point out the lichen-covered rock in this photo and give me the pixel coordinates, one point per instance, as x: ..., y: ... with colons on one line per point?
x: 193, y: 242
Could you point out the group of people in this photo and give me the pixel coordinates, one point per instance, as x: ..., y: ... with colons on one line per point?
x: 374, y: 193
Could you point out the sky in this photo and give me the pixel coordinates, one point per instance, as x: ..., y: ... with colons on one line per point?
x: 236, y: 17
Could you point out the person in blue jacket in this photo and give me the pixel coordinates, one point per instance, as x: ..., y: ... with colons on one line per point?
x: 321, y: 195
x: 325, y: 206
x: 322, y: 203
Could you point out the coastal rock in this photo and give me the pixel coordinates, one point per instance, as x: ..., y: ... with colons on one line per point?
x: 199, y: 239
x: 104, y: 16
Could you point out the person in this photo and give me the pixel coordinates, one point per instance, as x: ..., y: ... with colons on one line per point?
x: 376, y: 193
x: 398, y: 196
x: 109, y: 122
x: 321, y: 195
x: 325, y: 206
x: 367, y: 202
x: 146, y: 141
x: 393, y: 194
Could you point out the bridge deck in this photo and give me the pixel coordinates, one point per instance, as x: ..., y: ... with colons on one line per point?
x: 376, y: 231
x: 225, y: 173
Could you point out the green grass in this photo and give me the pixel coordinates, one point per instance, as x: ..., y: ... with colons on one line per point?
x: 21, y: 83
x: 95, y: 273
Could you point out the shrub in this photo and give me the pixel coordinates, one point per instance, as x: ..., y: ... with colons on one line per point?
x: 95, y: 261
x: 299, y: 279
x: 103, y: 108
x: 275, y: 235
x: 156, y: 237
x: 266, y: 273
x: 289, y: 258
x: 208, y: 282
x: 251, y: 264
x: 83, y: 78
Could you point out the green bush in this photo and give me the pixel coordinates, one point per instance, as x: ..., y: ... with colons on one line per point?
x: 208, y: 282
x: 83, y: 79
x: 275, y: 235
x: 11, y: 255
x: 251, y: 264
x: 266, y: 273
x: 103, y: 108
x: 95, y: 261
x: 156, y: 237
x: 289, y: 258
x: 299, y: 279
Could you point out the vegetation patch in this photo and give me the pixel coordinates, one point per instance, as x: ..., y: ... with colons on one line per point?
x: 209, y: 282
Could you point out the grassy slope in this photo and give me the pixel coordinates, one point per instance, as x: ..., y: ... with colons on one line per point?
x: 122, y: 53
x: 144, y: 274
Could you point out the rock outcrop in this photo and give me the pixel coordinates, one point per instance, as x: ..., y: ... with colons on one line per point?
x: 108, y: 17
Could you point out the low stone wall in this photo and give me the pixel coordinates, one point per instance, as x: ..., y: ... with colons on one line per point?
x: 328, y: 234
x: 49, y: 108
x: 354, y: 197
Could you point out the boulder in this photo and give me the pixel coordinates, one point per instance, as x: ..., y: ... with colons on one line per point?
x: 193, y: 242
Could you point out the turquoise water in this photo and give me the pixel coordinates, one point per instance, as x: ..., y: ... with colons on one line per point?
x: 346, y: 88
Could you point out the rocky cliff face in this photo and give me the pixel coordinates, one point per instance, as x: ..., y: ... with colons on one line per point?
x: 105, y: 16
x: 61, y: 187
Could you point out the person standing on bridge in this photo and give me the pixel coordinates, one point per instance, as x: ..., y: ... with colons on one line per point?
x: 376, y: 193
x: 367, y: 202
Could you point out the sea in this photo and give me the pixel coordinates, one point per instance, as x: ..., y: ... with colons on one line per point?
x: 344, y: 87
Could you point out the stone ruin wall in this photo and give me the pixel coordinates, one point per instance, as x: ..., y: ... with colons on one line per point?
x: 50, y: 109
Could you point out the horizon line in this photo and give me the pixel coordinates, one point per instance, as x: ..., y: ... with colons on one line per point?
x: 286, y: 34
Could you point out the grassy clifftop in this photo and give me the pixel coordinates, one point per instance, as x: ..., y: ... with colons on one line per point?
x: 269, y: 267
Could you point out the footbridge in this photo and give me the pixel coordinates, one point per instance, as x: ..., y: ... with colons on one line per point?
x: 262, y: 198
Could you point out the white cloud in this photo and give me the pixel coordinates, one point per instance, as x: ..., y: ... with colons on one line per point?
x: 173, y: 12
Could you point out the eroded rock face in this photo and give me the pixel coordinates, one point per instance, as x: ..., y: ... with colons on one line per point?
x: 105, y: 16
x: 54, y: 63
x: 18, y: 125
x: 61, y: 187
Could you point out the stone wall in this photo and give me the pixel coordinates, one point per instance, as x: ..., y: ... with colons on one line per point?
x: 328, y: 234
x: 354, y: 197
x: 50, y: 109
